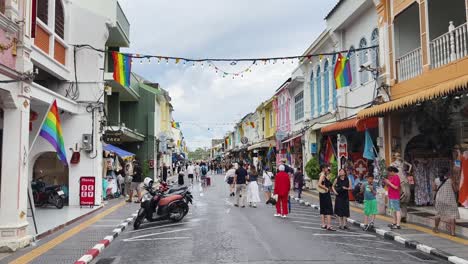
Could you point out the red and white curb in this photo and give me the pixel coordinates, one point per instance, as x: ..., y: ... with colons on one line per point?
x: 387, y: 234
x: 101, y: 245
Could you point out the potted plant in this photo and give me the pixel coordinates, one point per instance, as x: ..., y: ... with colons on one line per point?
x: 312, y: 170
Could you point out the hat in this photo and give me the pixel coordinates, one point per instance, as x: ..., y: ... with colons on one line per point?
x: 281, y: 168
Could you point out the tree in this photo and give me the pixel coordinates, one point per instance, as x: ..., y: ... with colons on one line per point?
x: 199, y: 154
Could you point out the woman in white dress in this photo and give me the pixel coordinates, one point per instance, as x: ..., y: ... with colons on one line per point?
x: 253, y: 196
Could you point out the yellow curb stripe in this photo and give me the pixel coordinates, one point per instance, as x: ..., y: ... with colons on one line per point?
x: 411, y: 226
x: 33, y: 254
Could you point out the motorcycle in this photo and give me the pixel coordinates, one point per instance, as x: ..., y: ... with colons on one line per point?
x: 43, y: 194
x: 157, y: 205
x: 182, y: 190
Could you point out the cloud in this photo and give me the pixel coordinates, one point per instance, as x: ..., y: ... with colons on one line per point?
x: 207, y: 104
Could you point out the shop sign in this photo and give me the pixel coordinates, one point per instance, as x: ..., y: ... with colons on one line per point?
x: 342, y: 147
x: 313, y: 148
x: 87, y: 191
x: 151, y: 163
x: 361, y: 167
x: 112, y: 137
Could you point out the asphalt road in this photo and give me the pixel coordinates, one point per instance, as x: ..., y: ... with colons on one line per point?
x: 215, y: 231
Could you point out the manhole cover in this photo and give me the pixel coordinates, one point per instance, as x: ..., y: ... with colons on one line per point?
x: 421, y: 256
x: 106, y: 261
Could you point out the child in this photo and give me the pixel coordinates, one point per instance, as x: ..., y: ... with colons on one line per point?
x: 393, y: 183
x: 369, y: 189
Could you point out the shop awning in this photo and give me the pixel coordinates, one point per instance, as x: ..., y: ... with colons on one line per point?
x: 354, y: 123
x: 439, y: 90
x: 263, y: 144
x: 292, y: 138
x: 120, y: 152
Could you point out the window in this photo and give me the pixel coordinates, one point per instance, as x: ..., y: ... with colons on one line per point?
x: 59, y: 19
x: 271, y: 119
x: 299, y: 106
x: 319, y: 90
x: 353, y: 66
x: 43, y: 10
x: 333, y: 82
x: 374, y: 42
x: 312, y: 91
x: 363, y: 58
x: 2, y: 6
x: 326, y: 85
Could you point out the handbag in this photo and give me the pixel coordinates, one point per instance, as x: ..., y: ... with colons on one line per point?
x: 321, y: 190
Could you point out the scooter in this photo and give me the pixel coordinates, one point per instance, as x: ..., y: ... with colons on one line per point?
x: 156, y: 205
x: 43, y: 194
x: 182, y: 190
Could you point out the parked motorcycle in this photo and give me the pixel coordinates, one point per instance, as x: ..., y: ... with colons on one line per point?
x: 43, y: 194
x: 173, y: 189
x: 157, y: 205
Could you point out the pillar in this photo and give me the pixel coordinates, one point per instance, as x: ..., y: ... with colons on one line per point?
x: 424, y: 35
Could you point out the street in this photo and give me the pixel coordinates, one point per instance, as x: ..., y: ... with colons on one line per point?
x: 215, y: 231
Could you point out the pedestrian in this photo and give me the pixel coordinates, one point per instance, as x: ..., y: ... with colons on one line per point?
x: 298, y: 181
x: 136, y: 181
x: 289, y: 171
x: 393, y: 183
x: 180, y: 178
x: 445, y: 202
x: 240, y: 179
x: 190, y: 172
x: 204, y: 172
x: 197, y: 172
x: 341, y: 186
x: 369, y: 189
x: 405, y: 188
x: 326, y: 207
x: 164, y: 172
x: 253, y: 196
x: 267, y: 184
x: 358, y: 196
x: 229, y: 179
x: 282, y: 187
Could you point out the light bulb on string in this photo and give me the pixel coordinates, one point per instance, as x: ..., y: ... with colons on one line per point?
x: 159, y: 61
x: 149, y: 60
x: 141, y: 61
x: 167, y: 61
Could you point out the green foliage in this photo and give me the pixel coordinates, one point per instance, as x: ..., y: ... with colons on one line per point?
x: 312, y: 168
x: 199, y: 154
x: 334, y: 170
x: 145, y: 168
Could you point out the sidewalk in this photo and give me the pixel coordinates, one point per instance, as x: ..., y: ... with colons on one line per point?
x: 410, y: 234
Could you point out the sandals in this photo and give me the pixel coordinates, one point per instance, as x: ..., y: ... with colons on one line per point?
x: 323, y: 227
x: 330, y: 228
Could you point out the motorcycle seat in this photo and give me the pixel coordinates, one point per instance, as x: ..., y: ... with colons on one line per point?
x: 182, y: 188
x: 167, y: 199
x: 52, y: 187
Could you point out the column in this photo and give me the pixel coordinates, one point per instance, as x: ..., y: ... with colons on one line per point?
x: 424, y: 35
x: 331, y: 87
x: 14, y: 187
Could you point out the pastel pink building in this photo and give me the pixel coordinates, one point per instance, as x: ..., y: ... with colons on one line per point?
x: 282, y: 108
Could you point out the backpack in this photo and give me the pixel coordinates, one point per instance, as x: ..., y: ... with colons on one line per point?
x: 204, y: 171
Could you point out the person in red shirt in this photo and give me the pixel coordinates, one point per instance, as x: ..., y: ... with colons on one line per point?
x: 282, y: 187
x: 393, y: 183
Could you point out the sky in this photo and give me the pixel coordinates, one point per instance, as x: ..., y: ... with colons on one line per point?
x: 206, y: 104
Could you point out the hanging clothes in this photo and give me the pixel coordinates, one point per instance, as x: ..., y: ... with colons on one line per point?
x: 422, y: 190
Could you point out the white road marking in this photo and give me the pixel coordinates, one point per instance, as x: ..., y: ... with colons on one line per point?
x: 163, y: 226
x: 369, y: 256
x: 294, y: 217
x: 311, y: 215
x: 344, y: 235
x: 373, y: 241
x: 308, y: 222
x: 367, y: 247
x: 160, y: 233
x: 157, y: 238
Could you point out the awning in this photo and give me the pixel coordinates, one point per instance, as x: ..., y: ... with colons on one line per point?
x: 292, y: 138
x: 120, y: 152
x: 439, y: 90
x: 354, y: 123
x: 263, y: 144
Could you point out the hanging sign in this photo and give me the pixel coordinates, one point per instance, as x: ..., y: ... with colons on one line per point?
x: 342, y: 147
x: 87, y: 191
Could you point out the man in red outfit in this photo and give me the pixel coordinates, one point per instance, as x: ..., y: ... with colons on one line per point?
x: 282, y: 186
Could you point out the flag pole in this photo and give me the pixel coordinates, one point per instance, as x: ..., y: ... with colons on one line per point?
x: 42, y: 123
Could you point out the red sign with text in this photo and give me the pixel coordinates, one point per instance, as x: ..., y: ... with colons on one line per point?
x: 87, y: 191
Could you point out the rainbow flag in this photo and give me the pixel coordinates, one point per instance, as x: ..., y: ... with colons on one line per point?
x: 329, y: 152
x: 342, y: 72
x: 51, y: 131
x: 271, y: 151
x: 288, y: 154
x: 122, y: 68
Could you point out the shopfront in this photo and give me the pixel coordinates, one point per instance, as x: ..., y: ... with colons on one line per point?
x: 291, y: 150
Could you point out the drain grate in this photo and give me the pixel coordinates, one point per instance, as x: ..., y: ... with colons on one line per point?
x: 106, y: 261
x: 421, y: 256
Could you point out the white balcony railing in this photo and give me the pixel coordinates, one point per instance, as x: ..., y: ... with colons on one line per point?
x: 409, y: 65
x: 450, y: 46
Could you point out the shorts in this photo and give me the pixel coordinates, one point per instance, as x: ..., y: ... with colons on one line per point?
x: 370, y: 207
x: 135, y: 186
x: 268, y: 188
x: 190, y: 176
x: 394, y: 205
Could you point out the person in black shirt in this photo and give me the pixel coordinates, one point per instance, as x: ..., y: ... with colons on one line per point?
x: 136, y: 181
x: 240, y: 179
x: 298, y: 181
x: 164, y: 172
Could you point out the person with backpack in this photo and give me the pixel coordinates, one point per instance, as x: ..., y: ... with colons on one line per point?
x: 204, y: 173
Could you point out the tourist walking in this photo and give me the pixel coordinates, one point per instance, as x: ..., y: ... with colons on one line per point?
x: 267, y: 183
x: 190, y: 172
x: 197, y: 172
x: 298, y: 181
x: 326, y: 207
x: 445, y: 202
x: 393, y: 183
x: 341, y: 186
x: 136, y: 181
x: 369, y: 189
x: 282, y: 187
x: 164, y: 172
x: 253, y: 196
x: 240, y: 179
x: 229, y: 179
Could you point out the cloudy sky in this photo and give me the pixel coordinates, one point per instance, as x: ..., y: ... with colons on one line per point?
x: 206, y: 104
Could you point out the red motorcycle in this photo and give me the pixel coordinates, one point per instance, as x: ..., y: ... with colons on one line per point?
x: 157, y: 205
x: 43, y: 194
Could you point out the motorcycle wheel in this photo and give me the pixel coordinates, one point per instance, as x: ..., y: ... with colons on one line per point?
x: 37, y: 200
x: 137, y: 223
x: 180, y: 211
x: 59, y: 202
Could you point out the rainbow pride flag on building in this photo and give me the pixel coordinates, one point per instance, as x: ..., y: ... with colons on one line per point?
x: 122, y: 68
x: 51, y: 131
x: 342, y: 72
